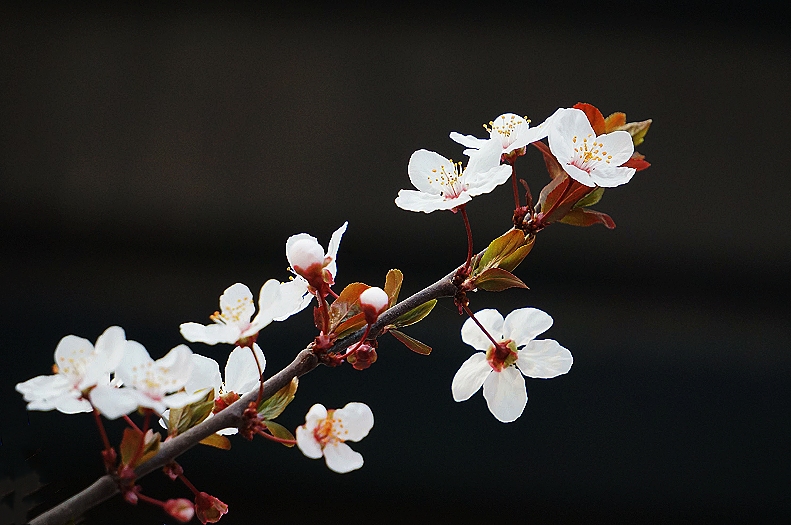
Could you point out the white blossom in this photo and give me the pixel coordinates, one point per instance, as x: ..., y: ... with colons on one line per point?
x: 79, y: 366
x: 234, y: 322
x: 590, y: 159
x: 443, y: 185
x: 509, y: 131
x: 326, y: 431
x: 147, y: 383
x: 498, y: 369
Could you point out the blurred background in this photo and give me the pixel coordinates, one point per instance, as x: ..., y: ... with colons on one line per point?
x: 151, y: 157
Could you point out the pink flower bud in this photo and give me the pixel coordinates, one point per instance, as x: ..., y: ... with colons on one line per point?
x: 181, y: 509
x: 374, y: 301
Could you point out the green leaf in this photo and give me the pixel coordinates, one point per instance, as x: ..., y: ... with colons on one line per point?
x: 501, y: 247
x: 274, y: 405
x: 130, y: 444
x: 587, y: 217
x: 279, y: 431
x: 415, y: 314
x: 590, y: 199
x: 347, y: 304
x: 182, y: 419
x: 393, y: 285
x: 515, y: 259
x: 497, y: 280
x: 216, y: 441
x: 411, y: 343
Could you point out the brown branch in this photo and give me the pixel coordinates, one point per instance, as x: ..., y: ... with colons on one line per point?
x: 106, y: 486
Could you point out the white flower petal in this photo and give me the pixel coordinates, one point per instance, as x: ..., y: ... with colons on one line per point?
x: 484, y: 159
x: 524, y: 324
x: 489, y: 180
x: 109, y: 349
x: 180, y: 399
x: 610, y: 177
x: 72, y: 355
x: 332, y: 249
x: 341, y: 458
x: 579, y: 175
x: 43, y: 387
x: 566, y: 124
x: 210, y: 334
x: 113, y: 402
x: 468, y: 141
x: 544, y: 359
x: 470, y: 377
x: 424, y: 167
x: 357, y: 420
x: 474, y: 336
x: 412, y: 200
x: 241, y: 372
x: 618, y: 145
x: 268, y: 304
x: 236, y: 304
x: 72, y: 403
x: 316, y: 413
x: 205, y: 375
x: 307, y: 443
x: 294, y: 297
x: 506, y: 394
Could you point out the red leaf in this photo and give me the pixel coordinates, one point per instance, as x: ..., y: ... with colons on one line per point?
x: 497, y: 280
x: 637, y: 162
x: 553, y: 166
x: 594, y: 116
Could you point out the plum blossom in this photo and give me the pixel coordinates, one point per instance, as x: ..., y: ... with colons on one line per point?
x: 147, y: 383
x: 443, y: 185
x: 511, y: 132
x: 326, y: 431
x: 590, y: 159
x: 241, y: 377
x: 498, y: 369
x: 311, y: 264
x: 233, y: 324
x: 79, y: 366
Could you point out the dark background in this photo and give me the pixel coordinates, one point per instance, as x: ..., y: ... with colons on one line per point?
x: 151, y: 157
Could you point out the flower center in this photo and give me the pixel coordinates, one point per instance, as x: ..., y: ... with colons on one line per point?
x: 502, y: 356
x: 450, y: 180
x: 588, y: 152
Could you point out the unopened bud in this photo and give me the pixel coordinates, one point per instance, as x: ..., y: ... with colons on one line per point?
x: 363, y: 357
x: 374, y: 301
x: 173, y: 470
x: 304, y: 253
x: 181, y: 509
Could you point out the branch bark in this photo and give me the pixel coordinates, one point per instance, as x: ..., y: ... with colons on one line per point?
x: 106, y: 486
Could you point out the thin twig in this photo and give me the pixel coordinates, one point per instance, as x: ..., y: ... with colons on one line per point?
x: 106, y: 486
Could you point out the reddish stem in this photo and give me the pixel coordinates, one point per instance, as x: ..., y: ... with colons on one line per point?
x: 260, y: 377
x: 275, y: 438
x: 463, y: 210
x: 484, y: 330
x: 188, y: 484
x: 152, y: 501
x: 514, y: 185
x: 141, y: 446
x: 102, y: 431
x: 131, y: 423
x: 359, y: 343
